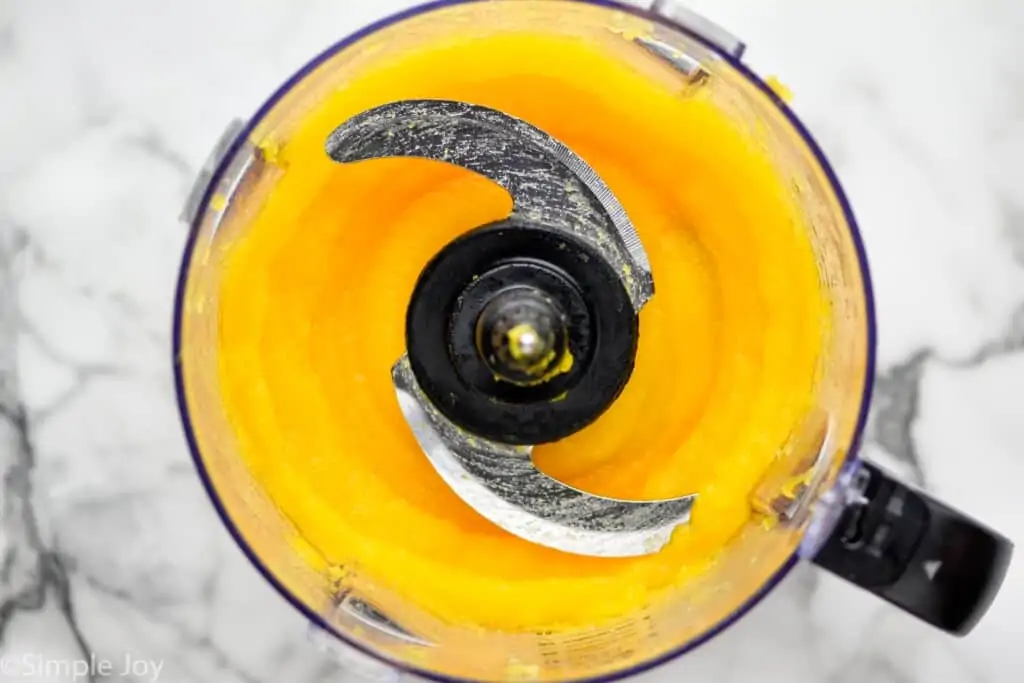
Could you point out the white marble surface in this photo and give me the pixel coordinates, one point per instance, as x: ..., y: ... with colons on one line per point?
x: 107, y: 109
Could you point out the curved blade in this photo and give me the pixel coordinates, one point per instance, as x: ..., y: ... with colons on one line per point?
x: 551, y: 185
x: 502, y: 484
x: 548, y: 182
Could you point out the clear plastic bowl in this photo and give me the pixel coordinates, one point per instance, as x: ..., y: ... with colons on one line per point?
x: 788, y: 522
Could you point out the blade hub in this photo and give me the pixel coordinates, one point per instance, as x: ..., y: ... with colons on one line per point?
x: 521, y: 333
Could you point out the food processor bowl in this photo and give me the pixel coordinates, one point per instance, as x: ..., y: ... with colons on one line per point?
x: 817, y: 501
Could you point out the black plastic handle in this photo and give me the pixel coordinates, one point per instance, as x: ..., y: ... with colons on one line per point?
x: 917, y: 553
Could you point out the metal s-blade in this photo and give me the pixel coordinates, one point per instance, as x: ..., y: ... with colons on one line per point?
x: 550, y: 186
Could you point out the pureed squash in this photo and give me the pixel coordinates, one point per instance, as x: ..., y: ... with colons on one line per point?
x: 312, y: 312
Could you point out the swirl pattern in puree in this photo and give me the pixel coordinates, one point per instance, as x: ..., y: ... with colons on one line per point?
x: 312, y: 311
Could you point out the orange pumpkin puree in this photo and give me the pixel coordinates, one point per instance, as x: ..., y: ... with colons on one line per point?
x: 312, y: 318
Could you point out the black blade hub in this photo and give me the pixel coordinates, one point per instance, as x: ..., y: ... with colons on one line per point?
x: 520, y: 333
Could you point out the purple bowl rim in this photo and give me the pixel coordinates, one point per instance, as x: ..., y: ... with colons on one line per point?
x: 314, y: 617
